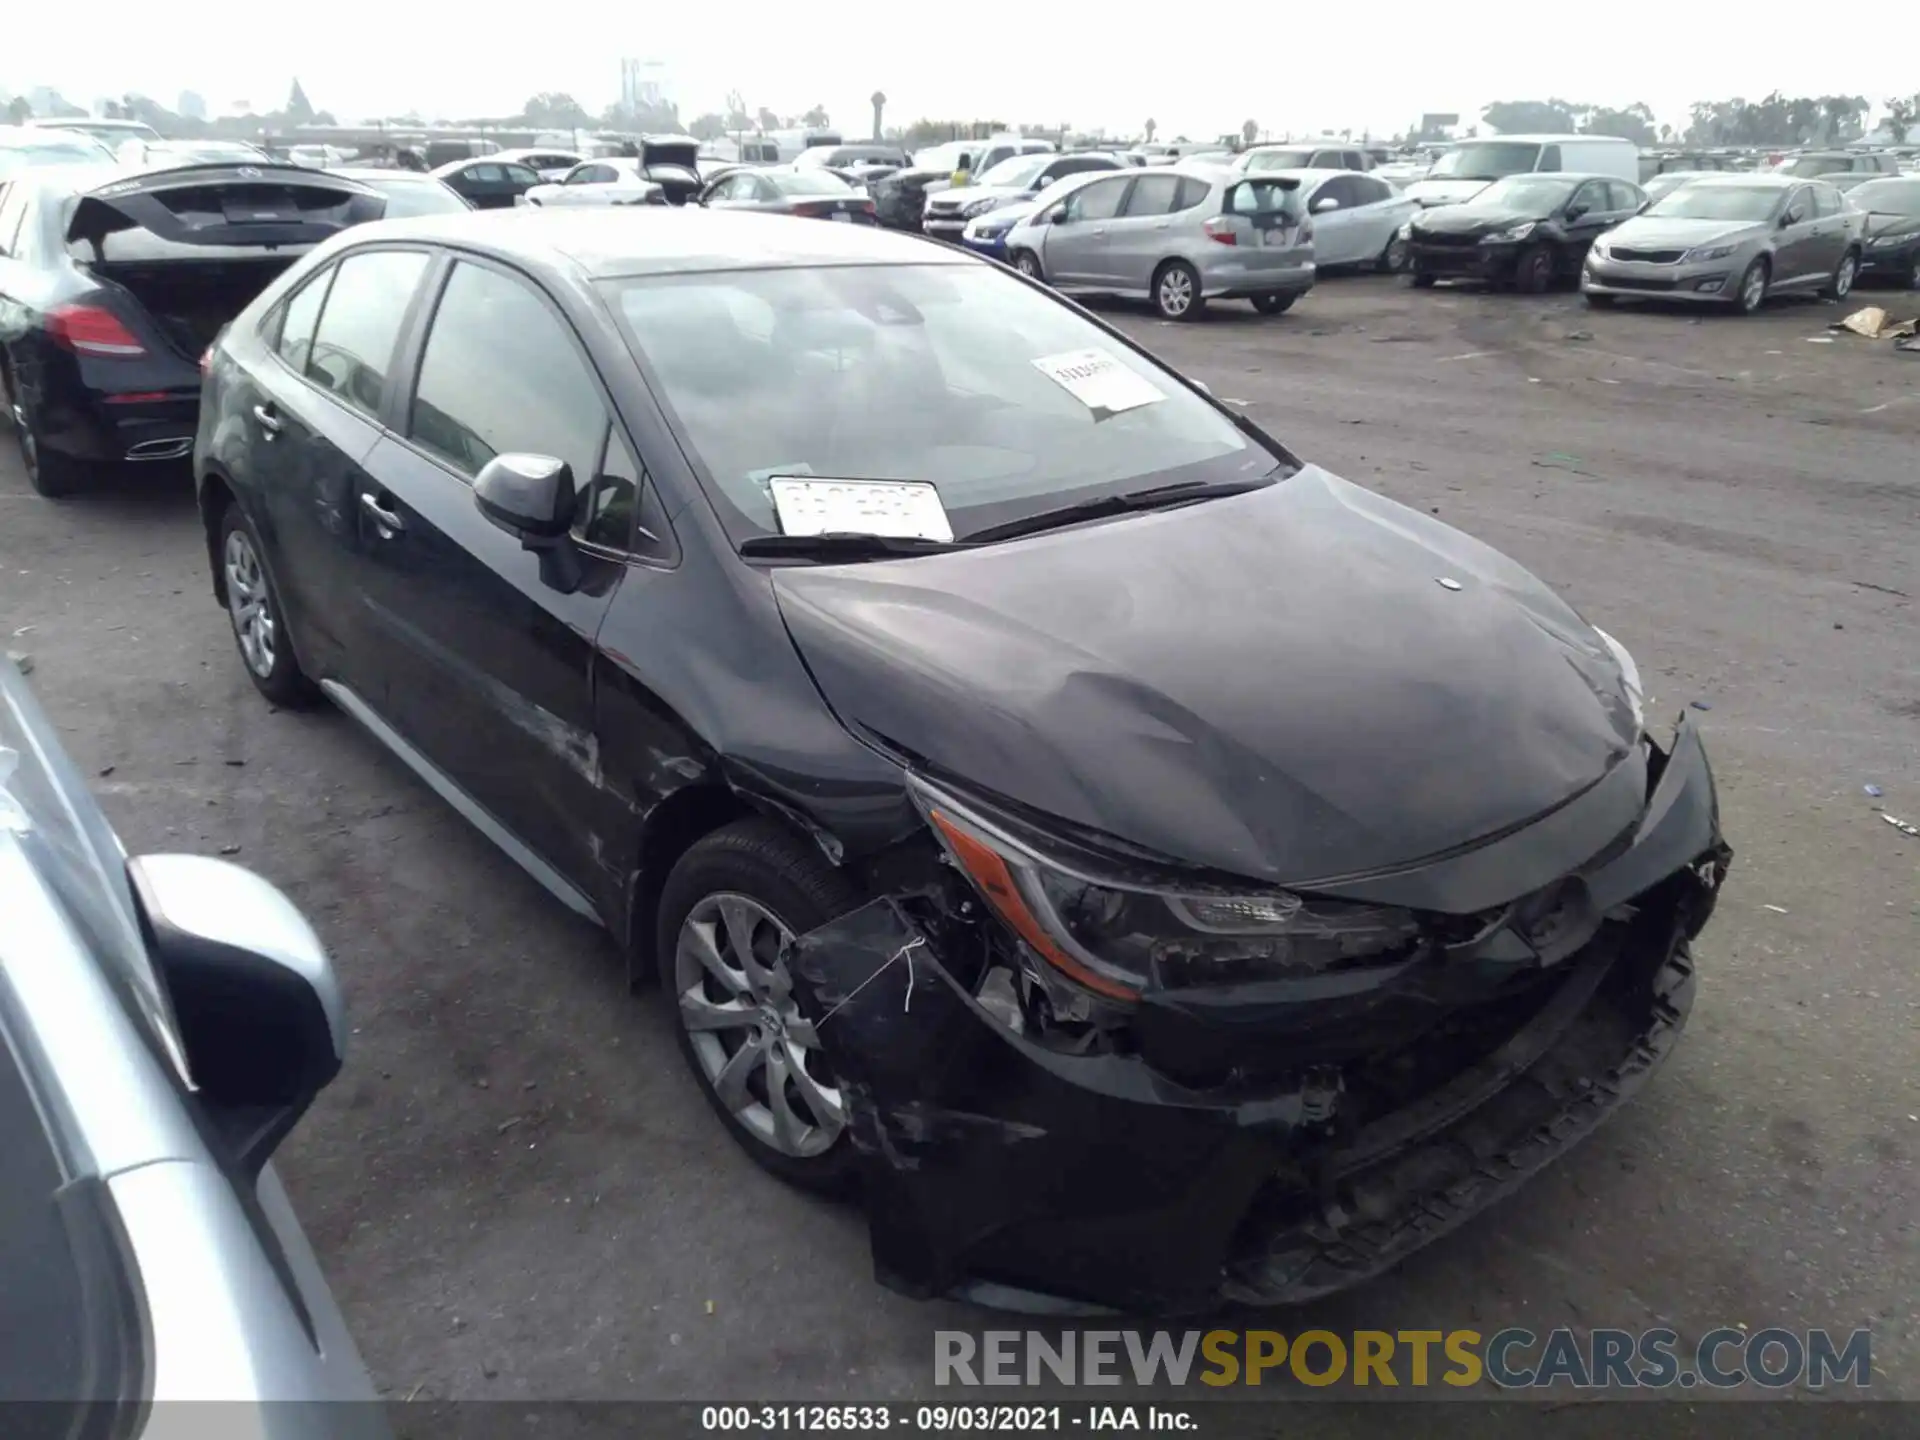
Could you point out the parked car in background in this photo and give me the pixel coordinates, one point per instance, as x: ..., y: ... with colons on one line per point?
x: 488, y: 184
x: 440, y: 153
x: 1668, y: 181
x: 549, y: 164
x: 983, y: 155
x: 1261, y: 158
x: 900, y: 199
x: 1127, y: 737
x: 1732, y: 240
x: 23, y: 147
x: 1176, y: 237
x: 1019, y: 178
x: 1666, y: 162
x: 110, y: 133
x: 1838, y: 167
x: 165, y: 1023
x: 1357, y: 218
x: 1529, y: 231
x: 814, y: 193
x: 316, y: 157
x: 857, y: 164
x: 113, y: 284
x: 987, y: 234
x: 1890, y: 248
x: 407, y: 193
x: 618, y: 181
x: 198, y: 152
x: 1467, y: 168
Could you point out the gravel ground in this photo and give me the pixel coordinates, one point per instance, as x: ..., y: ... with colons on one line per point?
x: 517, y: 1191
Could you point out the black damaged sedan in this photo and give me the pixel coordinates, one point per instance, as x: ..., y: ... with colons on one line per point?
x: 1148, y: 868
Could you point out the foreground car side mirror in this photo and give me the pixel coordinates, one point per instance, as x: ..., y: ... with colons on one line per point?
x: 258, y: 1007
x: 1057, y: 215
x: 1326, y: 203
x: 528, y: 496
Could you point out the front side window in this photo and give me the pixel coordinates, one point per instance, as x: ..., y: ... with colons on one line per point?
x: 485, y: 174
x: 469, y: 407
x: 927, y: 372
x: 1329, y: 160
x: 353, y: 346
x: 1153, y: 195
x: 1098, y: 201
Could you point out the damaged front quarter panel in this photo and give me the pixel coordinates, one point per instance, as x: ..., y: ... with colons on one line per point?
x: 1004, y: 1167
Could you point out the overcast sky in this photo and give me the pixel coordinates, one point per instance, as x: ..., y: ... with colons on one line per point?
x: 1374, y: 67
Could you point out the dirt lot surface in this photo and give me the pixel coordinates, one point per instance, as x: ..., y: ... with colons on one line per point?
x: 518, y: 1192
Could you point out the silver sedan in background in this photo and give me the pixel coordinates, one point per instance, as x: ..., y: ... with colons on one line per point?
x: 1731, y: 240
x: 1357, y: 218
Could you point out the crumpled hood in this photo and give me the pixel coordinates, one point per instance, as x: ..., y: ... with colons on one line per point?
x: 1274, y: 685
x: 1660, y: 232
x: 1444, y: 192
x: 1468, y: 218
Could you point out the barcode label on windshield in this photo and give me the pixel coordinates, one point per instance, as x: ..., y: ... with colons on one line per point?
x: 1099, y: 382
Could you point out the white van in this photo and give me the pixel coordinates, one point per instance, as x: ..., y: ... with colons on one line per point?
x: 1469, y: 166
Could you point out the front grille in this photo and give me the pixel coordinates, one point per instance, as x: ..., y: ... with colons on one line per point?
x: 1651, y: 257
x: 1446, y: 240
x: 947, y: 208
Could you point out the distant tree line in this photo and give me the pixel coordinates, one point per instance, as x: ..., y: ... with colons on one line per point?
x: 1777, y: 119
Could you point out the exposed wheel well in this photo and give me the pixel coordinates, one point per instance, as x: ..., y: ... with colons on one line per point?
x: 676, y: 825
x: 215, y: 496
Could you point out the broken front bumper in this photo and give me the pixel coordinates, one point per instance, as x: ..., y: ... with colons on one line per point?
x: 1021, y: 1176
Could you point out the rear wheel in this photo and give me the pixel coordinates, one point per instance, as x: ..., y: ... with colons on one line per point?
x: 259, y: 622
x: 1841, y: 285
x: 1028, y: 264
x: 1752, y: 293
x: 1536, y: 268
x: 1276, y: 302
x: 730, y: 908
x: 1176, y: 291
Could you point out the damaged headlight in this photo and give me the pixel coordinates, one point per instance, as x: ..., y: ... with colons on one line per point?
x: 1113, y: 937
x: 1630, y: 673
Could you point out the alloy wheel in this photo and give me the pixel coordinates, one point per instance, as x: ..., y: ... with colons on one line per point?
x: 755, y: 1048
x: 1396, y: 255
x: 250, y: 605
x: 1843, y: 277
x: 1176, y: 292
x: 1027, y: 264
x: 1753, y: 289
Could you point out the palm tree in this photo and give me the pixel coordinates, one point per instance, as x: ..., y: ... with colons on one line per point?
x: 1151, y: 127
x: 1248, y: 130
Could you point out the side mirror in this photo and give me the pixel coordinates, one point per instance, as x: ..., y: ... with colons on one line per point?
x: 1325, y: 203
x: 528, y: 496
x: 1057, y: 215
x: 1792, y: 217
x: 256, y: 1001
x: 1575, y: 212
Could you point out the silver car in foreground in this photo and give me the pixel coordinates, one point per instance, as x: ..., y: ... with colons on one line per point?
x: 1731, y: 240
x: 1178, y: 236
x: 164, y: 1022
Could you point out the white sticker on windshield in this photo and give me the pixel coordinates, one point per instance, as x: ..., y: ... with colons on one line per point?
x: 909, y: 508
x: 1099, y: 382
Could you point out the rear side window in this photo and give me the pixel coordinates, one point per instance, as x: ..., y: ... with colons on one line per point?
x: 300, y: 317
x: 520, y: 175
x: 467, y: 407
x: 1153, y: 195
x: 1192, y: 192
x: 1330, y: 160
x: 359, y: 323
x: 1549, y: 158
x: 485, y: 174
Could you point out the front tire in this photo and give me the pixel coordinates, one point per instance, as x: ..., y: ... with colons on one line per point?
x: 1752, y: 293
x: 1393, y: 259
x: 258, y: 618
x: 1276, y: 302
x: 1176, y: 291
x: 1028, y: 264
x: 730, y: 907
x: 1535, y: 271
x: 1844, y: 274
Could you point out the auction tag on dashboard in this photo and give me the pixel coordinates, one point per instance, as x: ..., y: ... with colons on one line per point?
x: 909, y: 508
x: 1099, y: 382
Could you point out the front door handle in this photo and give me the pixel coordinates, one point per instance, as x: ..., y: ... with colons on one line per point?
x: 388, y: 521
x: 269, y: 422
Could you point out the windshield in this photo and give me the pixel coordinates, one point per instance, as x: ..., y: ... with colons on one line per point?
x: 407, y: 198
x: 911, y: 372
x: 1279, y: 159
x: 1486, y: 160
x: 1887, y: 197
x: 1808, y: 166
x: 1667, y: 182
x: 1017, y: 173
x: 1702, y: 201
x: 804, y: 182
x: 1535, y: 193
x: 39, y: 153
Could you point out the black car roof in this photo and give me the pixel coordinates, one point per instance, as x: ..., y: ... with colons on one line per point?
x: 603, y: 244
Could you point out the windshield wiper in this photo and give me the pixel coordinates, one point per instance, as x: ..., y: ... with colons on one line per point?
x: 1155, y: 497
x: 844, y: 545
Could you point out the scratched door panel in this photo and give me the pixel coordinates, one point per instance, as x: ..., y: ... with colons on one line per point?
x: 495, y: 684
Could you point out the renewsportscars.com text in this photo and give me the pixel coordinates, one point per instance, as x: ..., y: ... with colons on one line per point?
x: 1512, y: 1358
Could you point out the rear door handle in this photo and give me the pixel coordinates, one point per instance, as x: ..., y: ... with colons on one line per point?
x: 269, y: 422
x: 388, y: 521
